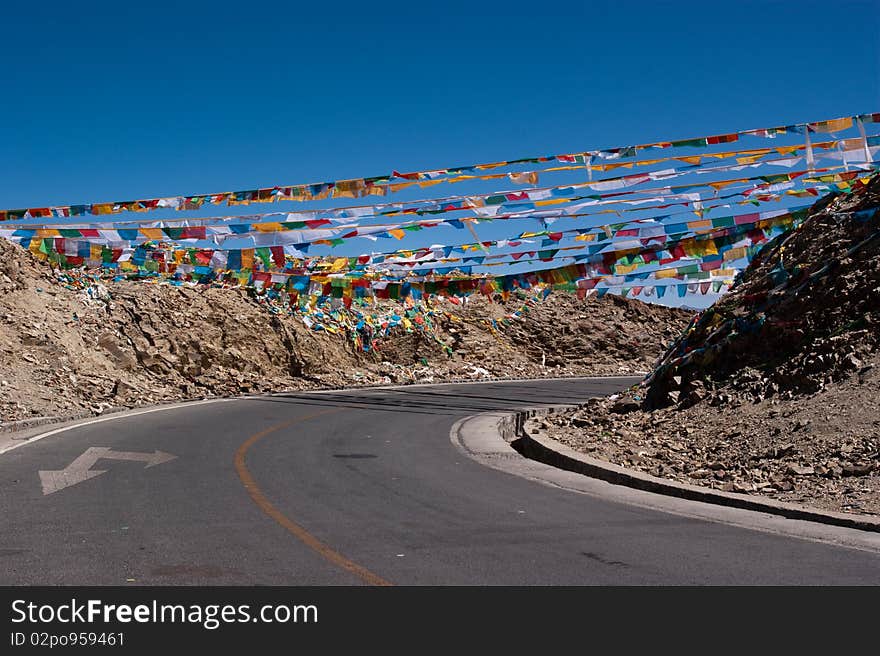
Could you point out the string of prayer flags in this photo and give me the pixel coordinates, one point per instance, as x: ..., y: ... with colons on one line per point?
x: 395, y: 181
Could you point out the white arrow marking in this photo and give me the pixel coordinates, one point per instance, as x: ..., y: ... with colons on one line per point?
x: 80, y: 469
x: 53, y: 481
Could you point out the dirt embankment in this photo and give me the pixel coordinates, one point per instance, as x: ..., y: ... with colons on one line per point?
x: 776, y: 389
x: 74, y: 345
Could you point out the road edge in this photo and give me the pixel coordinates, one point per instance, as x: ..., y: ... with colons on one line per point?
x: 496, y: 439
x: 10, y: 441
x: 30, y: 433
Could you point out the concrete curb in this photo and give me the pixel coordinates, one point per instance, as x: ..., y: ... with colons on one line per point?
x: 551, y: 452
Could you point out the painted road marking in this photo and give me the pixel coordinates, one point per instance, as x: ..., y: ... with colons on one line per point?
x: 292, y: 527
x: 81, y: 468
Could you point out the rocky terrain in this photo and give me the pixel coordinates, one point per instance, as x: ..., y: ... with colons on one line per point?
x: 775, y: 390
x: 75, y: 344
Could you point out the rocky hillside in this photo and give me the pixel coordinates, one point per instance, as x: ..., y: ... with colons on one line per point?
x: 774, y: 390
x: 805, y: 314
x: 75, y: 344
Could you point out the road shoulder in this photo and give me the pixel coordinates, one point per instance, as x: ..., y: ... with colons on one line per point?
x: 487, y: 439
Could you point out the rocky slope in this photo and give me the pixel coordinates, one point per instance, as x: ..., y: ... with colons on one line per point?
x: 75, y: 344
x: 774, y: 390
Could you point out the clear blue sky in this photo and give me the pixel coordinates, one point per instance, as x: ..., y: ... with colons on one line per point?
x: 111, y: 102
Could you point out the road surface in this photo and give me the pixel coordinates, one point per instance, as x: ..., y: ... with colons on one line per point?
x: 351, y: 488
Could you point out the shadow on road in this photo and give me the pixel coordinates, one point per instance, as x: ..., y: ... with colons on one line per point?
x: 458, y: 400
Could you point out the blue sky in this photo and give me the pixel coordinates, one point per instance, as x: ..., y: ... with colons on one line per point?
x: 107, y: 102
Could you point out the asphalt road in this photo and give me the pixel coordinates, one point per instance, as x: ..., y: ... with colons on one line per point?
x: 354, y: 488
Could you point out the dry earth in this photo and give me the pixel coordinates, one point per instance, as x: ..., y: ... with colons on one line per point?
x: 73, y: 346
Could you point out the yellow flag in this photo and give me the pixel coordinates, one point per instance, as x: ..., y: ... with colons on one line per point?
x: 703, y: 223
x: 527, y: 177
x: 734, y: 254
x: 721, y: 184
x: 616, y: 165
x: 708, y: 247
x: 787, y: 150
x: 749, y: 159
x: 833, y: 125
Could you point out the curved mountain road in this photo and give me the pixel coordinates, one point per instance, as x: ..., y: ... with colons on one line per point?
x: 353, y: 487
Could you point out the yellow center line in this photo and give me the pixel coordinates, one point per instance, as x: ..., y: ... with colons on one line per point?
x: 295, y: 529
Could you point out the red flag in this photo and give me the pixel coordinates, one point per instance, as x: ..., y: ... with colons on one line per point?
x: 722, y: 138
